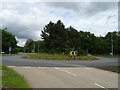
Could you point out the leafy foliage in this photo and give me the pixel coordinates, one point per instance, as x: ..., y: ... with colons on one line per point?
x: 57, y: 38
x: 54, y: 36
x: 8, y: 40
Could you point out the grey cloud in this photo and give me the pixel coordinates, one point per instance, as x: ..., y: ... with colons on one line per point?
x: 102, y: 6
x: 119, y: 16
x: 15, y: 21
x: 25, y: 25
x: 83, y: 8
x: 111, y: 17
x: 86, y: 8
x: 65, y: 5
x: 21, y: 8
x: 21, y: 31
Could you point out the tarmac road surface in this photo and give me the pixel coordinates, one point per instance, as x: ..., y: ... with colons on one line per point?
x: 72, y: 77
x: 16, y: 60
x: 65, y: 73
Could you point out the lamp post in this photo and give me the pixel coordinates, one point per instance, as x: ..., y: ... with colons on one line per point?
x: 34, y: 48
x: 111, y: 44
x: 38, y: 47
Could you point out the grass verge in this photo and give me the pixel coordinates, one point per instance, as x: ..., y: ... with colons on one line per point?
x: 57, y: 56
x: 11, y: 79
x: 0, y: 75
x: 8, y: 54
x: 115, y: 69
x: 0, y: 67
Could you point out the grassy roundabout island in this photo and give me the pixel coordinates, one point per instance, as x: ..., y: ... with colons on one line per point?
x: 58, y: 56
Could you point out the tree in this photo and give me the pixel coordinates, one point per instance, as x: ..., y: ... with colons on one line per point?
x: 72, y: 38
x: 8, y: 40
x: 57, y: 38
x: 54, y: 36
x: 87, y: 41
x: 113, y: 37
x: 100, y: 46
x: 0, y: 40
x: 40, y: 46
x: 29, y: 46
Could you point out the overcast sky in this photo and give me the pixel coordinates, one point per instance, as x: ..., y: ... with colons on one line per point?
x: 26, y: 19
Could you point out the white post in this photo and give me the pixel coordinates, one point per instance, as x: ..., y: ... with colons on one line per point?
x: 9, y: 50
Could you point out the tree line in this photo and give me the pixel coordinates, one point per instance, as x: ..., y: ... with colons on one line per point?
x: 58, y: 39
x: 8, y: 41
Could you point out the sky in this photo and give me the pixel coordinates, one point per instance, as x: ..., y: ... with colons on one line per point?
x: 25, y: 20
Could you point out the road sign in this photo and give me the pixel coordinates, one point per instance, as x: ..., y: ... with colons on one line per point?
x: 73, y: 54
x: 10, y: 49
x: 73, y: 48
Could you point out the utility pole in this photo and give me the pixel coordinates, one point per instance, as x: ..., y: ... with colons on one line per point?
x: 111, y: 44
x: 38, y: 47
x: 34, y: 48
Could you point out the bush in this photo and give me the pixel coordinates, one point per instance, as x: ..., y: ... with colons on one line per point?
x: 82, y: 52
x: 15, y: 50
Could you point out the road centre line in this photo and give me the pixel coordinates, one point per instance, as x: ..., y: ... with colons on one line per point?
x: 83, y: 66
x: 101, y: 86
x: 11, y: 66
x: 32, y: 67
x: 41, y: 67
x: 65, y: 71
x: 26, y: 67
x: 77, y: 65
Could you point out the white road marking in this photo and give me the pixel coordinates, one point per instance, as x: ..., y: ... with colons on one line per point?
x: 11, y: 66
x: 26, y: 67
x: 65, y: 71
x: 101, y: 86
x: 88, y: 68
x: 31, y: 66
x: 41, y: 67
x: 77, y: 65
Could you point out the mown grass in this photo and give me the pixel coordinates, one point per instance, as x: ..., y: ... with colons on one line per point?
x: 0, y: 67
x: 11, y: 79
x: 8, y: 54
x: 88, y: 57
x: 58, y: 56
x: 0, y: 75
x: 109, y: 68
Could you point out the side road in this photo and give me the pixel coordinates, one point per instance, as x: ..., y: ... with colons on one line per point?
x: 68, y: 77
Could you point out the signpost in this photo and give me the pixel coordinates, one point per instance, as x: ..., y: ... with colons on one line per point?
x: 73, y: 54
x: 10, y: 49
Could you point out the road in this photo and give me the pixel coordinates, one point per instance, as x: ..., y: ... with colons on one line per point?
x: 65, y: 73
x: 64, y: 77
x: 18, y: 61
